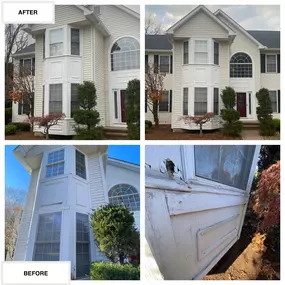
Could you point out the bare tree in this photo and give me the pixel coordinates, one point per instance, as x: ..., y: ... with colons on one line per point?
x: 151, y: 27
x: 13, y: 213
x: 22, y: 86
x: 154, y: 89
x: 15, y: 40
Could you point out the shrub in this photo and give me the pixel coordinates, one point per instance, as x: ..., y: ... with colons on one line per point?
x: 8, y: 115
x: 264, y: 113
x: 113, y: 271
x: 25, y: 127
x: 115, y: 233
x: 10, y: 130
x: 276, y: 123
x: 148, y: 123
x: 87, y: 119
x: 133, y: 109
x: 232, y: 125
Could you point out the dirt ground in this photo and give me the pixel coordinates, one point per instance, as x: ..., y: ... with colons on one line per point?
x: 164, y: 133
x: 23, y: 136
x: 251, y: 258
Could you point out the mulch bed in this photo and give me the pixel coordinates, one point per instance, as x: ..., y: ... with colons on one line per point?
x: 23, y: 136
x: 163, y: 132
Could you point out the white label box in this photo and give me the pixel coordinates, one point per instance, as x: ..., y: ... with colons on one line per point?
x: 36, y: 272
x: 28, y: 12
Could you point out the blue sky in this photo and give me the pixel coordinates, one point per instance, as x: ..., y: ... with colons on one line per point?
x: 17, y: 177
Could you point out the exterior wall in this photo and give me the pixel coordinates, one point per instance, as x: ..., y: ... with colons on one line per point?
x: 119, y: 175
x: 99, y: 78
x: 64, y: 14
x: 24, y: 229
x: 201, y: 25
x: 119, y: 24
x: 164, y: 117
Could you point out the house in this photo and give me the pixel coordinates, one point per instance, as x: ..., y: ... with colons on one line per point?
x: 194, y: 212
x: 67, y: 183
x: 99, y: 43
x: 203, y: 53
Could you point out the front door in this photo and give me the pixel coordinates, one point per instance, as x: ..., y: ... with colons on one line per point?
x: 241, y: 104
x: 123, y: 106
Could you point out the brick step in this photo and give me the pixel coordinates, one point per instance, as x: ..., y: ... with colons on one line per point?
x: 115, y: 133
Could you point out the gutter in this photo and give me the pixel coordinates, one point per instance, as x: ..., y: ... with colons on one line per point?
x: 23, y: 54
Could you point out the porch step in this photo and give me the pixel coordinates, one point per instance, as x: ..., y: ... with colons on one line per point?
x: 115, y: 133
x: 251, y: 125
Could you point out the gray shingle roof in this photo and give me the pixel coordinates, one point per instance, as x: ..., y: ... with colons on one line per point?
x: 157, y: 42
x: 27, y: 49
x: 271, y: 39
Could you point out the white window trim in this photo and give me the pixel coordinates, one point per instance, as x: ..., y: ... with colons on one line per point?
x: 64, y: 40
x: 214, y: 52
x: 85, y: 162
x: 69, y: 27
x: 188, y: 53
x: 194, y: 50
x: 276, y: 95
x: 50, y: 164
x: 207, y: 99
x: 275, y: 65
x: 168, y: 104
x: 169, y: 56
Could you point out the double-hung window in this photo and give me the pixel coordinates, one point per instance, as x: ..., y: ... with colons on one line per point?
x: 56, y: 42
x: 164, y: 63
x: 55, y: 98
x: 47, y: 244
x: 74, y: 105
x: 271, y: 63
x: 75, y: 41
x: 200, y: 103
x: 201, y: 52
x: 216, y: 53
x: 274, y: 101
x: 55, y: 163
x: 185, y: 101
x: 82, y: 246
x: 216, y: 101
x: 80, y: 164
x: 229, y: 165
x: 164, y: 102
x: 186, y: 52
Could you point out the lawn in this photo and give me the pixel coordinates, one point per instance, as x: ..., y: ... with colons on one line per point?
x: 163, y: 132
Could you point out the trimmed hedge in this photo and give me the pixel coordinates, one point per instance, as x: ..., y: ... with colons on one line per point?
x: 148, y: 123
x: 276, y: 123
x: 10, y: 130
x: 114, y: 271
x: 25, y: 127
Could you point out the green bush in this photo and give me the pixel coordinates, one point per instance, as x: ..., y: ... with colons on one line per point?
x: 133, y: 109
x: 264, y: 113
x: 148, y: 123
x: 113, y: 271
x: 276, y: 123
x: 10, y: 130
x: 25, y: 127
x: 8, y: 115
x: 95, y: 133
x: 232, y: 125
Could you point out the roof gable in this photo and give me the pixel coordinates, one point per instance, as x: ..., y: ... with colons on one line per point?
x: 220, y: 14
x: 193, y: 13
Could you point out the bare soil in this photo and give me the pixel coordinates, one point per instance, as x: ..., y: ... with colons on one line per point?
x: 163, y: 132
x: 251, y: 257
x: 23, y: 136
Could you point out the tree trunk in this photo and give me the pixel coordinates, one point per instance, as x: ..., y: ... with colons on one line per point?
x: 121, y: 258
x: 201, y: 129
x: 47, y: 135
x: 155, y: 113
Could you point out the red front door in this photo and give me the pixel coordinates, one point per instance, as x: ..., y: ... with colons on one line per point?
x: 241, y: 104
x: 123, y: 106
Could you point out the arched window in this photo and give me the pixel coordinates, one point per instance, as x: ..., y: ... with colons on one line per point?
x: 240, y: 65
x: 125, y: 54
x: 126, y: 195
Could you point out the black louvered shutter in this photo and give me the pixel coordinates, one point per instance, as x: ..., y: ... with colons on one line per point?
x: 146, y: 63
x: 170, y: 102
x: 262, y: 63
x: 171, y: 63
x: 33, y: 66
x: 278, y: 101
x: 278, y: 63
x: 156, y: 63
